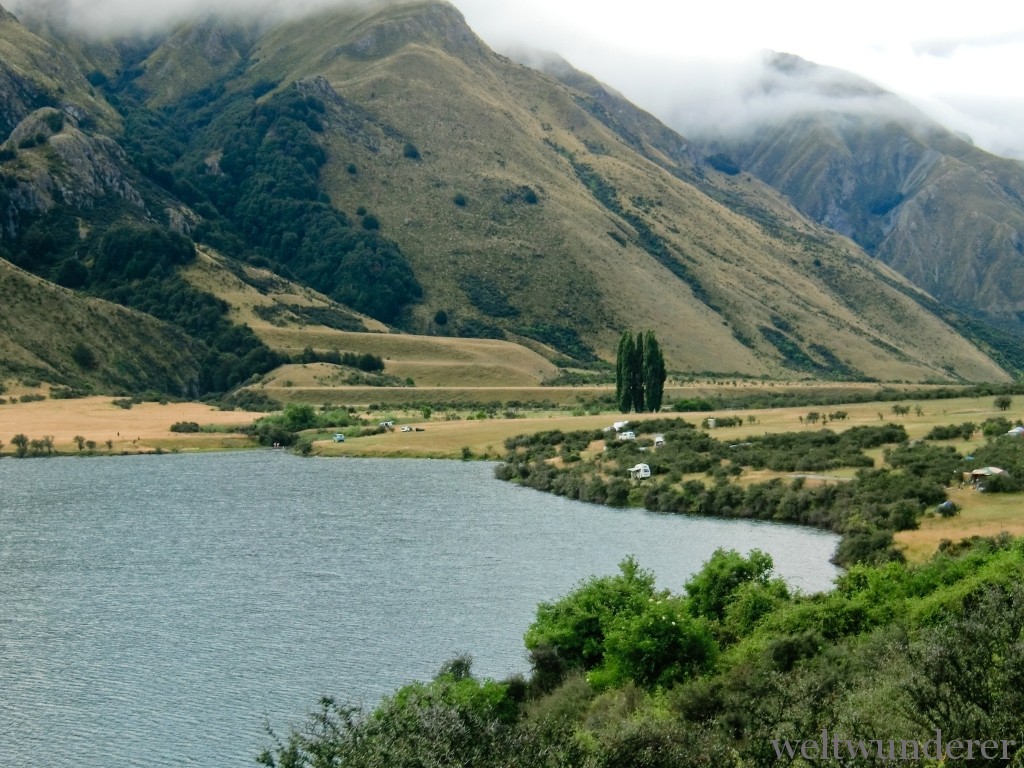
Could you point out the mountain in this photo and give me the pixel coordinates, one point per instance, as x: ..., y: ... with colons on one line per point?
x: 385, y: 158
x: 945, y: 214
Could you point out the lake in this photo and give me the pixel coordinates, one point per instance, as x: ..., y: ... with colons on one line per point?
x: 161, y: 610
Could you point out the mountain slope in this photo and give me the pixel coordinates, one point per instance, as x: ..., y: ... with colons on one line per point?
x: 945, y: 214
x: 51, y: 334
x: 35, y: 74
x: 642, y: 249
x: 386, y: 157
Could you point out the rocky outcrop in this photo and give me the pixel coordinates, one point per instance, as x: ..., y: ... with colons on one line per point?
x: 52, y: 162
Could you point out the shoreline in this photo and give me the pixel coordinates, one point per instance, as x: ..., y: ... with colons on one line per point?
x: 144, y: 429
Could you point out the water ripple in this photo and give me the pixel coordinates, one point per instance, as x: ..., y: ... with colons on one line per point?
x: 158, y: 611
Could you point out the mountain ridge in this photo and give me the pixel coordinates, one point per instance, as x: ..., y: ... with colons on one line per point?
x: 523, y: 205
x: 942, y: 212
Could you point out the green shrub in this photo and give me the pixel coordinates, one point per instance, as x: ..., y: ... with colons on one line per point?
x: 620, y: 628
x: 711, y: 589
x: 84, y: 357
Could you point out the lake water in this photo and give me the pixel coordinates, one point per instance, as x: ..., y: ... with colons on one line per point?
x: 161, y: 610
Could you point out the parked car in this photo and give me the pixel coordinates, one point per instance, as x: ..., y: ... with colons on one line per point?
x: 339, y: 438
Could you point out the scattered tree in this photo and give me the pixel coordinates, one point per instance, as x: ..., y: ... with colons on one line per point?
x: 1003, y: 402
x: 83, y: 356
x: 636, y: 375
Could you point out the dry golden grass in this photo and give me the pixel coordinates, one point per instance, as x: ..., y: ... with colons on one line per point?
x: 485, y: 438
x: 981, y: 514
x: 143, y: 427
x: 429, y: 360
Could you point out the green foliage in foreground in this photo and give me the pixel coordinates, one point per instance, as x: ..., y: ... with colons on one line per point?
x: 892, y: 653
x: 619, y: 629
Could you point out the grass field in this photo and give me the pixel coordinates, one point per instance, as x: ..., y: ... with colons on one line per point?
x: 141, y: 428
x: 454, y: 434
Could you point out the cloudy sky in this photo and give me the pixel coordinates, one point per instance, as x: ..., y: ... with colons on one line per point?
x: 688, y: 62
x: 961, y: 63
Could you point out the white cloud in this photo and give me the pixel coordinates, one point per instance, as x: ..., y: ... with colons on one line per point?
x: 960, y: 64
x: 681, y: 60
x: 121, y: 16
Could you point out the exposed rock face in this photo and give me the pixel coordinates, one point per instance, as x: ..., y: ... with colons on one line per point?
x: 54, y: 163
x: 948, y: 216
x: 19, y: 97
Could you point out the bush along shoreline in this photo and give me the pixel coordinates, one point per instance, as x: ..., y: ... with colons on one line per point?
x: 897, y: 664
x: 694, y: 473
x: 916, y: 664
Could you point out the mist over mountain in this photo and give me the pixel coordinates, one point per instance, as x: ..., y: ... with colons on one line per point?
x: 386, y: 158
x: 108, y: 18
x: 738, y: 98
x: 946, y: 214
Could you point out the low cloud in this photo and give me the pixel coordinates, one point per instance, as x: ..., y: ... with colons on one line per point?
x: 112, y: 17
x: 705, y: 99
x: 959, y: 71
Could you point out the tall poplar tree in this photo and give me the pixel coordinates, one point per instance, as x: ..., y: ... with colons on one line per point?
x: 654, y: 373
x: 623, y: 362
x: 639, y: 373
x: 636, y: 374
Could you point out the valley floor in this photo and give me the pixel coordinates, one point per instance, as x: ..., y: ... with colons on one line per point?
x: 451, y: 434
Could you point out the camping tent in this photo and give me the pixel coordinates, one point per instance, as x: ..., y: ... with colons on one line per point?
x: 987, y: 472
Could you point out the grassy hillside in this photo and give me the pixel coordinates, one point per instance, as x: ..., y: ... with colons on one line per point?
x: 385, y: 158
x: 35, y: 73
x: 610, y: 239
x: 51, y: 334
